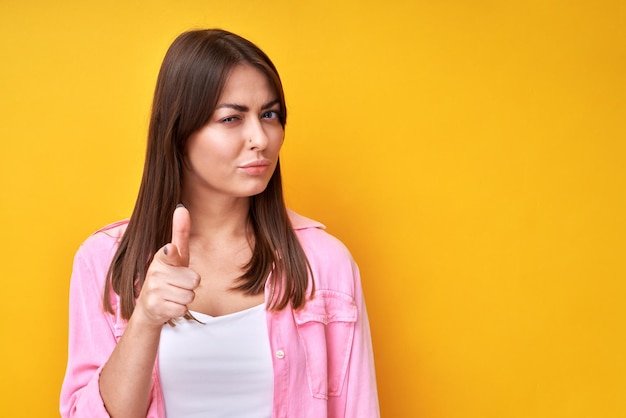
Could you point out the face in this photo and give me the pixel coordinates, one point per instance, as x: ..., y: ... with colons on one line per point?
x: 235, y: 153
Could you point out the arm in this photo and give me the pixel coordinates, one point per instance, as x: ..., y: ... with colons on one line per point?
x: 91, y: 337
x: 362, y: 396
x: 347, y: 330
x: 126, y: 379
x: 102, y: 371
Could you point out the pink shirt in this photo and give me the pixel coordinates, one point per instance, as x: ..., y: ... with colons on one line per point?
x: 322, y: 354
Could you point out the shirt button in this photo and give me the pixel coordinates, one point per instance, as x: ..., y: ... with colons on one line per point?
x: 280, y: 354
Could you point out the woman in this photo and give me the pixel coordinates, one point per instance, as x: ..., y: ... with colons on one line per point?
x: 214, y: 300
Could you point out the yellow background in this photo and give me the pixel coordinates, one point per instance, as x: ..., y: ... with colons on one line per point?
x: 470, y: 154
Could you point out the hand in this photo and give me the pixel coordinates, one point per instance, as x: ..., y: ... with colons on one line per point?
x: 170, y: 283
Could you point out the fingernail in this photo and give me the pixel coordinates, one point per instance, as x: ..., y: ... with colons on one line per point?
x: 180, y: 205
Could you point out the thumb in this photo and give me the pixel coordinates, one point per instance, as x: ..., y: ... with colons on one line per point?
x: 181, y: 227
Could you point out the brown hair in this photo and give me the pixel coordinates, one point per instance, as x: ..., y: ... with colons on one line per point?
x: 189, y: 85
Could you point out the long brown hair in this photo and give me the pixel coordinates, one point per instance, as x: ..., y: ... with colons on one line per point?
x: 189, y: 85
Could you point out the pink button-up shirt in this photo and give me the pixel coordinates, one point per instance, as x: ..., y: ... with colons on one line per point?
x: 322, y: 354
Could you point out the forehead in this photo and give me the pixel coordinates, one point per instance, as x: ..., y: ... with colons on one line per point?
x: 247, y: 83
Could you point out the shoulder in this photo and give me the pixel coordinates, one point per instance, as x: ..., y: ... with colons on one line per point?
x: 92, y: 262
x: 331, y: 262
x: 102, y: 244
x: 314, y: 238
x: 114, y: 230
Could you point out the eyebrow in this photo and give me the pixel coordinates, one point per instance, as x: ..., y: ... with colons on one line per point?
x: 242, y: 108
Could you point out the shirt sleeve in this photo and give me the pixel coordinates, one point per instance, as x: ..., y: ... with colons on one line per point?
x: 94, y: 333
x: 361, y: 391
x: 91, y: 340
x: 337, y: 277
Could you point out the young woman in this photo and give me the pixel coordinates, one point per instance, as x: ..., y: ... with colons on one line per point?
x: 214, y: 300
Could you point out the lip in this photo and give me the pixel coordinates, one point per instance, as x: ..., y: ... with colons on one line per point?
x: 256, y: 163
x: 256, y: 167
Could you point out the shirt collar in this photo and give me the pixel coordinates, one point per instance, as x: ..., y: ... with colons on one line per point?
x: 301, y: 222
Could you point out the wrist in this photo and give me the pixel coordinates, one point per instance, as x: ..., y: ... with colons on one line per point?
x: 140, y: 319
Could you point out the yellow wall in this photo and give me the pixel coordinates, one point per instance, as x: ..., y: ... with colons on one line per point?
x: 470, y: 153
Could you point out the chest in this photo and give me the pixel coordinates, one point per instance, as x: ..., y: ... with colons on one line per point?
x: 222, y: 367
x: 219, y: 268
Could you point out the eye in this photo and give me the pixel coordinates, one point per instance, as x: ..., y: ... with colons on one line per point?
x: 229, y: 119
x: 271, y: 114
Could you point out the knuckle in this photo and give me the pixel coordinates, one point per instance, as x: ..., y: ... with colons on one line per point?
x: 179, y: 311
x: 195, y: 280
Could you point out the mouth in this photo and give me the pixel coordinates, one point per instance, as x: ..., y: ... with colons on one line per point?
x: 256, y: 167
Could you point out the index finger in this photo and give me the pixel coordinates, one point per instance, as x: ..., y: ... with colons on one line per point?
x: 181, y: 228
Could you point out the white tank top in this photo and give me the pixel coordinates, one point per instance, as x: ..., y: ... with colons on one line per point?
x: 220, y: 369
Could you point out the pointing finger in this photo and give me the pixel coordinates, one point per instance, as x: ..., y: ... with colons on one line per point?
x: 181, y: 228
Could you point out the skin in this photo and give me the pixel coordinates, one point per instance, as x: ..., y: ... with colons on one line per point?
x: 229, y: 159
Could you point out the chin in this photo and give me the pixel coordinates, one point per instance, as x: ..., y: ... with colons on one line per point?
x: 255, y: 190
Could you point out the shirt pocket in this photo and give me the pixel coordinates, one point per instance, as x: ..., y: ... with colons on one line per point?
x: 326, y: 327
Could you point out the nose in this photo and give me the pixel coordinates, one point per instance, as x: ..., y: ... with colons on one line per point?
x: 257, y: 137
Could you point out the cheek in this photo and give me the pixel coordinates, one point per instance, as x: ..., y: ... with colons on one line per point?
x: 279, y: 140
x: 279, y: 145
x: 211, y: 149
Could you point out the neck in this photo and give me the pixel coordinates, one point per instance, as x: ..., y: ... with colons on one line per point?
x: 218, y: 218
